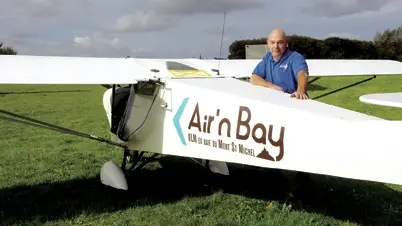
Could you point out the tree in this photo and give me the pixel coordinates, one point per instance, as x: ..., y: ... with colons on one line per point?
x: 6, y: 50
x: 312, y: 48
x: 386, y: 45
x: 389, y: 44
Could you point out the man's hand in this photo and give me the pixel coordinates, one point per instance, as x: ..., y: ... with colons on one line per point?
x: 302, y: 78
x: 299, y: 95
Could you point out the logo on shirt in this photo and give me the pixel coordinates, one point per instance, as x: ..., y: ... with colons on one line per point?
x: 284, y: 66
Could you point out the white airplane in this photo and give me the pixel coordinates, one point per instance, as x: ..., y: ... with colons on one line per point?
x: 201, y: 109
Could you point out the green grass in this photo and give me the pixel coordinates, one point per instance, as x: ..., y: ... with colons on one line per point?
x: 52, y: 178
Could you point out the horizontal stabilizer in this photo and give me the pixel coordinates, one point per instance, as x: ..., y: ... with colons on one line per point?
x: 384, y: 99
x: 22, y: 69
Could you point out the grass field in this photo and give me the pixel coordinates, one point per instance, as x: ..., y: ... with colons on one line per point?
x: 52, y: 178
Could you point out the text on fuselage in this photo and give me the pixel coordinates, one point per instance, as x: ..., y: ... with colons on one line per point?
x: 224, y: 129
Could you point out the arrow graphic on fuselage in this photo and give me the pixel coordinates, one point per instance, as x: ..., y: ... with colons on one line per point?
x: 176, y: 120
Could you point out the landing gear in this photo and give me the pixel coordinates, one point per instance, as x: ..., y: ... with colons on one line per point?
x: 134, y: 158
x: 116, y: 177
x: 214, y: 166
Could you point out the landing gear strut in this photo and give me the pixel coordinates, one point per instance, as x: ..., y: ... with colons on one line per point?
x: 116, y: 177
x: 134, y: 158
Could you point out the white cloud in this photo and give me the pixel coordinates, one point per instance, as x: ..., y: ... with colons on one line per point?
x: 337, y: 8
x: 342, y: 35
x: 83, y: 41
x: 41, y: 8
x: 140, y: 21
x: 204, y: 6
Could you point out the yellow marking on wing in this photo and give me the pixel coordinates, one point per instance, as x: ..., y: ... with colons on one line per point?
x: 189, y: 73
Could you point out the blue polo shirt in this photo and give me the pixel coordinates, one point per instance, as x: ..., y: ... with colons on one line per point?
x: 282, y: 73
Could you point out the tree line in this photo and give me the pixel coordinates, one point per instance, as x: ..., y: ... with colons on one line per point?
x: 385, y: 45
x: 6, y: 50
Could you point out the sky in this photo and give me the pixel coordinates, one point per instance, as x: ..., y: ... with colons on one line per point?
x: 180, y: 28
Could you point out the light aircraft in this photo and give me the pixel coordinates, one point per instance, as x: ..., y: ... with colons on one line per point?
x: 201, y: 109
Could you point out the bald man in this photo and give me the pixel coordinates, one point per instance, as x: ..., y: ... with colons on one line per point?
x: 281, y: 68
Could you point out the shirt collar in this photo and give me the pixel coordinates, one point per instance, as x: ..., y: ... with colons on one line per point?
x: 284, y: 55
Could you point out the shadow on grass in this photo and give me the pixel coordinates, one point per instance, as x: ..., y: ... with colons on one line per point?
x: 359, y: 202
x: 315, y: 87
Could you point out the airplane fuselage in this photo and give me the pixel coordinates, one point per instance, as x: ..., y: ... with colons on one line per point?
x: 229, y: 120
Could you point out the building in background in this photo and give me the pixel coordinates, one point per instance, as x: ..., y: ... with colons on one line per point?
x: 256, y: 51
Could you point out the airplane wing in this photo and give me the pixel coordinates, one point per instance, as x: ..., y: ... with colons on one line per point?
x: 240, y: 68
x: 348, y: 67
x: 28, y: 69
x: 230, y: 120
x: 384, y: 99
x: 317, y: 67
x: 24, y: 69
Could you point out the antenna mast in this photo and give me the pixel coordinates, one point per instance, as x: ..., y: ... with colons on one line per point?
x: 220, y: 52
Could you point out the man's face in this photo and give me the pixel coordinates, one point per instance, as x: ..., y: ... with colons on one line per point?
x: 277, y: 45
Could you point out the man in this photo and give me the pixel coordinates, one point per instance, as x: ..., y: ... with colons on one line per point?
x: 281, y: 68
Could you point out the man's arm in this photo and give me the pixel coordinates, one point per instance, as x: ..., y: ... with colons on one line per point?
x: 258, y: 77
x: 300, y: 69
x: 302, y: 81
x: 259, y: 81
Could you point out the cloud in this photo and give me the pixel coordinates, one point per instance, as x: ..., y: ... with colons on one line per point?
x: 216, y: 28
x: 338, y: 8
x: 165, y: 14
x: 140, y: 21
x: 83, y: 41
x: 99, y: 43
x: 342, y: 35
x: 41, y: 8
x: 205, y: 6
x: 97, y: 40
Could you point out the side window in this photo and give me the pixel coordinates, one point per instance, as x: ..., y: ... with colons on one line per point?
x: 144, y: 88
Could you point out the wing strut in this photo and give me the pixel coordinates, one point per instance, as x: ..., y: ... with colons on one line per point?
x: 45, y: 125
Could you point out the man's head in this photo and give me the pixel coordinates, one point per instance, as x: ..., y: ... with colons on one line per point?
x: 277, y: 43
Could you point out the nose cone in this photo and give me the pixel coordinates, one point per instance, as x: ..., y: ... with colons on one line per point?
x: 112, y: 175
